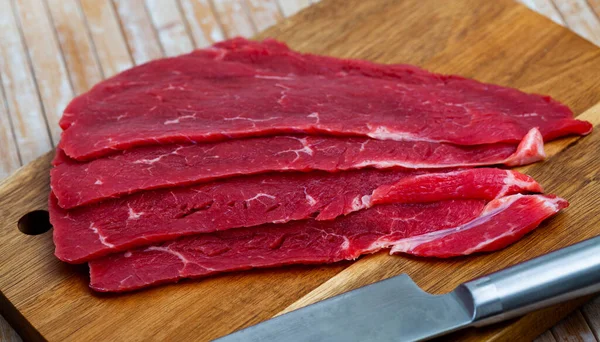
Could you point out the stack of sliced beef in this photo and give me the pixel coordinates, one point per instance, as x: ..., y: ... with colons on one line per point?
x: 248, y: 154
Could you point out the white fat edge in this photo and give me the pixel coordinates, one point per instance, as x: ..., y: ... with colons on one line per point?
x: 552, y: 203
x: 482, y: 244
x: 491, y: 209
x: 383, y: 133
x: 377, y: 245
x: 499, y: 204
x: 178, y: 119
x: 532, y: 141
x: 280, y: 78
x: 389, y: 164
x: 548, y: 203
x: 360, y: 202
x: 511, y: 180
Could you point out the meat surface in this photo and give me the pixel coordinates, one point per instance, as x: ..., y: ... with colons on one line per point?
x: 148, y: 217
x: 503, y: 222
x: 304, y: 242
x: 239, y: 88
x: 79, y: 183
x: 486, y: 184
x: 199, y: 164
x: 471, y: 225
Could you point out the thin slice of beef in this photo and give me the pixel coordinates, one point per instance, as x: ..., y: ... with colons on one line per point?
x: 503, y: 222
x: 240, y: 88
x: 88, y: 232
x: 79, y: 183
x: 476, y: 183
x: 312, y: 241
x: 306, y: 242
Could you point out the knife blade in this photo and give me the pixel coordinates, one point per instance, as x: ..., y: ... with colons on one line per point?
x: 396, y: 309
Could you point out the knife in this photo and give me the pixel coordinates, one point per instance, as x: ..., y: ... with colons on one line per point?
x: 396, y: 309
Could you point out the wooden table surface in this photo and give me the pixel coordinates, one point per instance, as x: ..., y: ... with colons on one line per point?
x: 42, y: 40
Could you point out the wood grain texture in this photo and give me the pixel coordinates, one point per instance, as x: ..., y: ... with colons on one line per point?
x: 574, y: 328
x: 595, y: 6
x: 76, y: 45
x: 591, y: 312
x: 546, y: 8
x: 580, y: 18
x: 233, y: 18
x: 204, y: 26
x: 9, y: 153
x: 263, y: 13
x: 140, y: 34
x: 48, y: 65
x: 169, y: 23
x: 6, y: 333
x: 548, y: 59
x: 545, y: 337
x: 525, y: 328
x: 291, y: 7
x: 107, y: 36
x: 20, y: 89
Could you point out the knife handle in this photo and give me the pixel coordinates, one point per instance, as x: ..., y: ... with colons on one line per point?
x: 565, y: 274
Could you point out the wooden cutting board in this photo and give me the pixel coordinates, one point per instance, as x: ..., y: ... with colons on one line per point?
x: 493, y: 41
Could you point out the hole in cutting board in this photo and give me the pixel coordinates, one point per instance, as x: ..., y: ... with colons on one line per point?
x: 35, y: 222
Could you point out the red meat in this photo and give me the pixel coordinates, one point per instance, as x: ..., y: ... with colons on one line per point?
x: 78, y: 183
x: 439, y: 229
x: 85, y: 233
x: 240, y: 88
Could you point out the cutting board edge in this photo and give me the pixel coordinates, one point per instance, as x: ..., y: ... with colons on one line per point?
x: 18, y: 322
x: 24, y: 177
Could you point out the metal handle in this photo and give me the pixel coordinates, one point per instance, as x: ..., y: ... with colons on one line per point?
x: 549, y: 279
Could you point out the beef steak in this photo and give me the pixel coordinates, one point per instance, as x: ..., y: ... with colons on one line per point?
x: 79, y: 183
x: 240, y: 88
x: 439, y: 229
x: 87, y: 232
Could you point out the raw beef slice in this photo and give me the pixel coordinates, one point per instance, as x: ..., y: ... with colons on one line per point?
x: 239, y: 88
x: 502, y: 222
x: 78, y: 183
x: 115, y: 225
x: 448, y: 228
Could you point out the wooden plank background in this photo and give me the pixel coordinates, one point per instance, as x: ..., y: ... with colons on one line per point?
x: 52, y: 50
